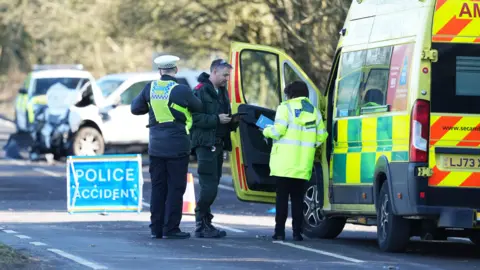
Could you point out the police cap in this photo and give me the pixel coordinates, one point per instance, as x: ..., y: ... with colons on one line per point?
x: 166, y: 61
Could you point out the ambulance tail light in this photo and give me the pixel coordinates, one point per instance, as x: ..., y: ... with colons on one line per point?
x: 419, y: 131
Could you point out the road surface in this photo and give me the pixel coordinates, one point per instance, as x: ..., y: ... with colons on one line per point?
x: 33, y: 217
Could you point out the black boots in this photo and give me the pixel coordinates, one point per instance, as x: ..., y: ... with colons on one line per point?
x: 205, y: 229
x: 280, y: 236
x: 297, y: 237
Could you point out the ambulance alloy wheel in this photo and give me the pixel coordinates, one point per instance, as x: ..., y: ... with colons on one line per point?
x: 393, y: 232
x: 88, y: 142
x: 315, y: 224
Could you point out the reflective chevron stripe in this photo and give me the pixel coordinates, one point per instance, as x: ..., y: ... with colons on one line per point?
x: 453, y: 131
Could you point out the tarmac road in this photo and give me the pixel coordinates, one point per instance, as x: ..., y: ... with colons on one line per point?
x: 33, y: 217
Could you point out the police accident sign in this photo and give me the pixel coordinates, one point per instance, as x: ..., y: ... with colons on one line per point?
x: 109, y: 183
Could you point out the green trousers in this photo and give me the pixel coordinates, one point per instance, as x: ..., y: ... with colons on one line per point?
x: 210, y: 162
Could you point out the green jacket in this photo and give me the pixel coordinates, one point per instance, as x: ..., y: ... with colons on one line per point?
x: 204, y: 125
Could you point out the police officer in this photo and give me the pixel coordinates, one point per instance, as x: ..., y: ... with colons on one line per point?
x: 297, y: 131
x: 169, y: 105
x: 210, y: 137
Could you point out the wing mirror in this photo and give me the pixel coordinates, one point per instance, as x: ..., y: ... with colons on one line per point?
x: 22, y: 91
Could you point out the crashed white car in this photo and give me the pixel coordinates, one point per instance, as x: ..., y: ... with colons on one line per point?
x: 113, y: 125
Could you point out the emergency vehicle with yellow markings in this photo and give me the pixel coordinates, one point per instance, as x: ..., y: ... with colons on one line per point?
x: 409, y: 163
x: 31, y: 97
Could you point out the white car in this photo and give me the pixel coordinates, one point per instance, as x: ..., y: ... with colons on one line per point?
x: 113, y: 124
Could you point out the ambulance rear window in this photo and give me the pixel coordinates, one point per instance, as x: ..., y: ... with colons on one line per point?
x: 467, y: 76
x: 456, y: 78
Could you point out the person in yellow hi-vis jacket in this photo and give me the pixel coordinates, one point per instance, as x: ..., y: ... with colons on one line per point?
x: 296, y: 133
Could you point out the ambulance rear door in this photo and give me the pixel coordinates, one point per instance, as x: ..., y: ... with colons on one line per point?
x: 259, y: 76
x: 454, y: 152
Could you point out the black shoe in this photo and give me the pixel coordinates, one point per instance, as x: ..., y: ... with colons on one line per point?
x: 208, y: 230
x: 213, y: 228
x: 178, y: 235
x: 297, y: 237
x: 156, y: 236
x: 278, y: 237
x: 199, y: 226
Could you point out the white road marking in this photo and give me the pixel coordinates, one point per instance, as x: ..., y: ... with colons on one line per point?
x: 21, y: 236
x: 326, y: 253
x: 77, y: 259
x: 7, y: 123
x: 38, y: 243
x: 229, y: 228
x: 9, y: 231
x: 221, y: 186
x: 17, y: 162
x: 49, y: 173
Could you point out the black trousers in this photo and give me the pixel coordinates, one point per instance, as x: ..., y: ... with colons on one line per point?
x: 169, y: 181
x: 293, y: 188
x: 209, y: 172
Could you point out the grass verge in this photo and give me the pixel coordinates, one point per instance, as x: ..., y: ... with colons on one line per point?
x: 12, y: 259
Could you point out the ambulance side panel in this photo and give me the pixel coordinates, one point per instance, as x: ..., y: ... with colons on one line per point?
x: 380, y: 64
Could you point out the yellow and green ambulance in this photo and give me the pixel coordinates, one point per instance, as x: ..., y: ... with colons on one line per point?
x: 402, y: 107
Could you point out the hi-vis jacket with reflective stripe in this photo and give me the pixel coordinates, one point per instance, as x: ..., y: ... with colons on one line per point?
x: 297, y: 132
x: 159, y: 99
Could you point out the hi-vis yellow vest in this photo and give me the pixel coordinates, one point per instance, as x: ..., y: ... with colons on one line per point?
x: 159, y: 99
x: 297, y: 132
x: 36, y: 100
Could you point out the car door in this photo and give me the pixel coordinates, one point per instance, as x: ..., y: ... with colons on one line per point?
x: 256, y: 87
x: 120, y: 124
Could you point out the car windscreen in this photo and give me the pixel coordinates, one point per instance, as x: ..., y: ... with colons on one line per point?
x: 109, y: 85
x: 43, y: 84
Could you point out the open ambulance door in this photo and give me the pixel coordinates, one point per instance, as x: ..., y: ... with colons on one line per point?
x: 259, y: 75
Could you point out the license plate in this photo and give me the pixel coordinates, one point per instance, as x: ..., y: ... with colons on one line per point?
x: 460, y: 162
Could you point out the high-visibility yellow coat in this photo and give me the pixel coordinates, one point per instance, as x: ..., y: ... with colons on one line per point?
x: 297, y: 132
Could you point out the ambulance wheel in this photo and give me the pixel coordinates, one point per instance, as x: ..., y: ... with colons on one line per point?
x: 88, y: 142
x: 393, y: 232
x: 315, y: 224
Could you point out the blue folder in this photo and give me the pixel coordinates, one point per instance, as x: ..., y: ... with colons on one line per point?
x: 263, y: 121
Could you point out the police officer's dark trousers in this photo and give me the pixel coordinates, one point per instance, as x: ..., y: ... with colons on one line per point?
x: 295, y: 189
x: 169, y: 181
x: 209, y: 172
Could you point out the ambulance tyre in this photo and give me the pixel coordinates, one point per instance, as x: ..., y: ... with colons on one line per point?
x: 315, y: 224
x: 475, y: 238
x: 393, y: 232
x: 88, y: 141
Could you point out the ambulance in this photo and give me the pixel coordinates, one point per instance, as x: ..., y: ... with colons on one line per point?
x: 402, y: 109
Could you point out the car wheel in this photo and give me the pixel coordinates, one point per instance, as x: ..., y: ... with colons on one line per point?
x: 393, y: 232
x: 88, y: 142
x: 316, y: 225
